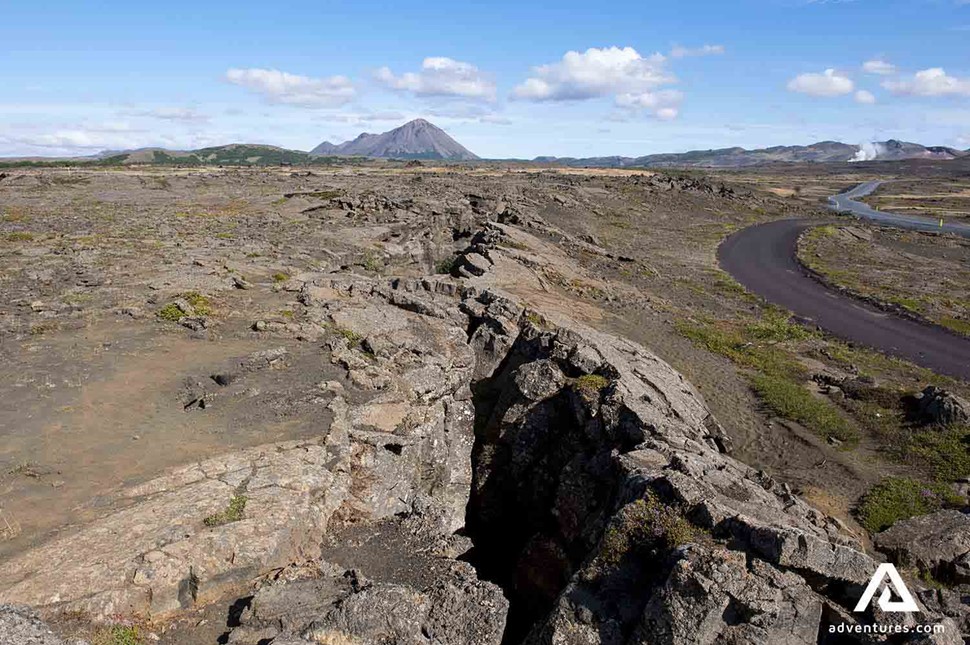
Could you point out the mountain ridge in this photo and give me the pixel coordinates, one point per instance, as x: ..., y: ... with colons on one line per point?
x: 737, y: 157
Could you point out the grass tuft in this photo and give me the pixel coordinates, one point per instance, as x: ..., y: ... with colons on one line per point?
x: 899, y: 498
x: 118, y: 635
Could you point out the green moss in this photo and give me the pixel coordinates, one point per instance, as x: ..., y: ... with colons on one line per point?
x: 534, y: 318
x: 170, y: 312
x: 591, y: 385
x: 792, y: 401
x: 641, y: 526
x: 200, y: 303
x: 353, y: 338
x: 896, y: 499
x: 118, y: 635
x: 280, y: 277
x: 233, y: 512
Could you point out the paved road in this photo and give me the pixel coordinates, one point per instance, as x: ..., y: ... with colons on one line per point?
x: 762, y: 258
x: 845, y: 203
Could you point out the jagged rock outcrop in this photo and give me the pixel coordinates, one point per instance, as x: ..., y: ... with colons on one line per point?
x: 551, y: 482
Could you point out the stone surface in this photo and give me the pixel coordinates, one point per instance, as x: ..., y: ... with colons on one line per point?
x: 938, y: 544
x: 22, y: 626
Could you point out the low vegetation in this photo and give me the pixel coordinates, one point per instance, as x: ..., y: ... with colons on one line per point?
x: 590, y: 386
x: 201, y: 304
x: 901, y: 498
x: 446, y: 265
x: 792, y: 401
x: 775, y: 373
x: 19, y: 236
x: 644, y: 525
x: 232, y: 513
x: 171, y: 312
x: 118, y: 635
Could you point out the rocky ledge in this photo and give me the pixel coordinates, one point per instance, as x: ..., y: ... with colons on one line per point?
x: 510, y: 475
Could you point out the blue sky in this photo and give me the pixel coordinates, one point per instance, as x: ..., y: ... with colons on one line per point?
x: 507, y: 79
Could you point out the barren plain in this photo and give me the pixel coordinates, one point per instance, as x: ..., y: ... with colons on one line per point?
x: 454, y: 404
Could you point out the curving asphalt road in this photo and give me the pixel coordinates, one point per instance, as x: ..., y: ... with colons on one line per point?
x: 845, y: 203
x: 762, y: 258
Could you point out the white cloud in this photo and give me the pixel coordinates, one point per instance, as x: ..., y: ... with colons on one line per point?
x: 664, y: 104
x: 705, y: 50
x: 595, y: 73
x: 878, y: 66
x: 292, y: 89
x: 828, y: 83
x: 865, y: 97
x: 930, y: 82
x: 441, y: 76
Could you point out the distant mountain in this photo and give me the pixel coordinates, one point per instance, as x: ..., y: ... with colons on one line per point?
x: 822, y: 152
x: 416, y: 139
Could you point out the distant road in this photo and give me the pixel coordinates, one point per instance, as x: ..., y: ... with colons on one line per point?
x: 846, y: 203
x: 762, y: 258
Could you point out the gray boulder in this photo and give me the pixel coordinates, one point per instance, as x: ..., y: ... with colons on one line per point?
x: 936, y: 405
x: 938, y: 543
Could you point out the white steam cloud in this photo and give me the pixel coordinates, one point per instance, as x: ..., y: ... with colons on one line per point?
x: 868, y: 152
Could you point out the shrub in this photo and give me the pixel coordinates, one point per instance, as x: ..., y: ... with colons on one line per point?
x: 899, y: 498
x: 280, y: 277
